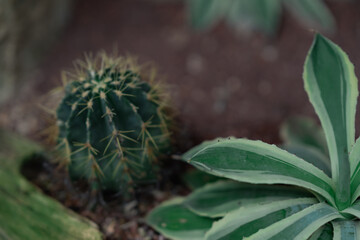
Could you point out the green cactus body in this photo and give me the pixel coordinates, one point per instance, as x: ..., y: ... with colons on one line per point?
x: 112, y: 123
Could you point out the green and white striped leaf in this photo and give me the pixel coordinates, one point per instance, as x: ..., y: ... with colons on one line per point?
x: 311, y: 155
x: 355, y: 170
x: 246, y: 221
x: 186, y: 156
x: 304, y: 131
x: 323, y: 233
x: 355, y: 158
x: 299, y: 226
x: 218, y: 199
x: 195, y: 178
x: 173, y: 220
x: 312, y: 13
x: 331, y: 85
x: 260, y: 163
x: 346, y: 230
x: 354, y: 210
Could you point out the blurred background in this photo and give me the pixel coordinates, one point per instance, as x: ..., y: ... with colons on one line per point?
x: 234, y: 67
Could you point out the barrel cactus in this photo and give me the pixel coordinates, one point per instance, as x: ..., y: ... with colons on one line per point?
x: 113, y: 123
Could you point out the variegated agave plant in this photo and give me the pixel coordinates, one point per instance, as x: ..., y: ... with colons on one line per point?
x: 299, y: 196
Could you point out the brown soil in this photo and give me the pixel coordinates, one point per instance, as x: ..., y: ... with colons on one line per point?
x: 222, y: 84
x: 117, y: 218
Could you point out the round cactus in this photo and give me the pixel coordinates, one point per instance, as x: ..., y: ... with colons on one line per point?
x: 113, y: 123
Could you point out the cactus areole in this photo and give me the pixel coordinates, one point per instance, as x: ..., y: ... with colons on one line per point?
x: 113, y: 123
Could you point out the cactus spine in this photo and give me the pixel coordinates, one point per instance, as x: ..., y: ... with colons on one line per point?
x: 113, y: 122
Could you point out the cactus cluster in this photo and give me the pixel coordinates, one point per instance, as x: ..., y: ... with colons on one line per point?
x: 113, y: 123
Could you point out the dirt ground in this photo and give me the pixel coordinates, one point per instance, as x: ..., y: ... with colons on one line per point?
x: 222, y: 84
x: 118, y: 218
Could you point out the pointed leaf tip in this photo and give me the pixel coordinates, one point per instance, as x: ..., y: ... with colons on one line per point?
x: 331, y: 85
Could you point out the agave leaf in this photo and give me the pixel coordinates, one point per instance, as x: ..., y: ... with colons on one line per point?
x: 186, y: 156
x: 246, y: 221
x: 300, y: 225
x: 175, y: 221
x: 311, y: 155
x: 331, y: 85
x: 205, y: 13
x: 355, y: 158
x: 346, y: 230
x: 195, y: 178
x: 260, y: 15
x: 260, y: 163
x: 354, y: 210
x: 312, y: 13
x: 355, y: 170
x: 304, y: 131
x: 323, y: 233
x: 218, y: 199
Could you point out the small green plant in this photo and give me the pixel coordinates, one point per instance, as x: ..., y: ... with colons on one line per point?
x: 259, y: 15
x: 113, y: 123
x: 275, y: 194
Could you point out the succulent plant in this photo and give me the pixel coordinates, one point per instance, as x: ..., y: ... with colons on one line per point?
x: 113, y: 122
x: 275, y: 194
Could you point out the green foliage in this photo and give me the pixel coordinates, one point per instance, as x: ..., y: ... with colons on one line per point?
x: 113, y: 123
x: 304, y: 138
x: 304, y: 131
x: 310, y: 194
x: 259, y: 15
x: 25, y: 212
x: 195, y: 178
